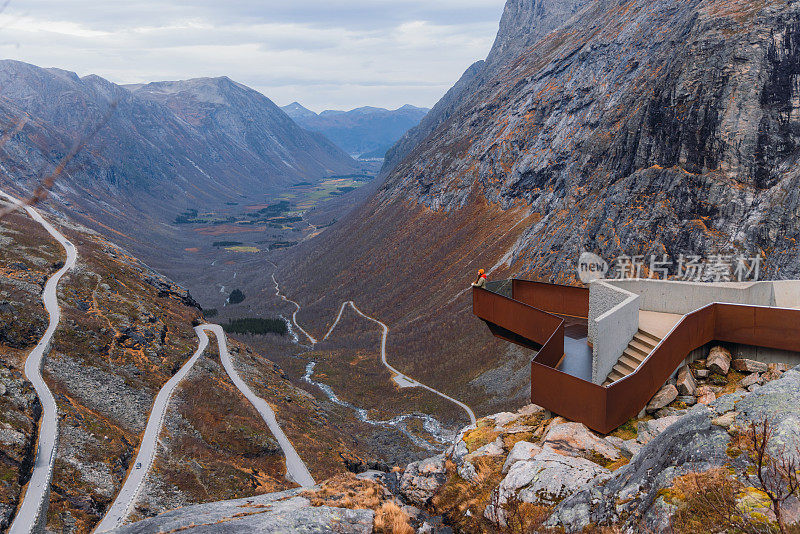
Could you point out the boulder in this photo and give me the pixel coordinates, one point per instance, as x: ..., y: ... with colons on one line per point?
x: 467, y: 471
x: 548, y: 477
x: 495, y: 448
x: 705, y: 395
x: 743, y: 365
x: 531, y: 409
x: 647, y: 430
x: 688, y: 400
x: 503, y: 418
x: 522, y: 451
x: 750, y: 379
x: 632, y: 498
x: 719, y: 360
x: 702, y: 373
x: 422, y: 479
x: 574, y: 439
x: 686, y: 383
x: 665, y: 396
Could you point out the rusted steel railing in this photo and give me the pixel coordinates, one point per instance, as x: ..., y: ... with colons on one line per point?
x: 527, y: 318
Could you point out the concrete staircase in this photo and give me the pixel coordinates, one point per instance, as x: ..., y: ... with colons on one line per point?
x: 638, y: 349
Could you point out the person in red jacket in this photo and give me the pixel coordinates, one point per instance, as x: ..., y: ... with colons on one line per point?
x: 481, y: 281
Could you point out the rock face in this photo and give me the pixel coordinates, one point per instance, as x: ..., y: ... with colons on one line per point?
x: 549, y: 477
x: 523, y: 24
x: 574, y: 439
x: 274, y: 512
x: 674, y: 102
x: 695, y: 442
x: 421, y: 480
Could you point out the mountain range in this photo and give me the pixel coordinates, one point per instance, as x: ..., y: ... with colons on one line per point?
x: 365, y: 132
x: 521, y: 26
x: 166, y: 147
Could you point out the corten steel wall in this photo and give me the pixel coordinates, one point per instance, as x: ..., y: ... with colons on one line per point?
x: 515, y: 316
x: 553, y: 298
x: 605, y: 408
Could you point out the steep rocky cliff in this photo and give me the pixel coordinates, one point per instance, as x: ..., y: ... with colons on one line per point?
x: 638, y: 128
x: 523, y: 24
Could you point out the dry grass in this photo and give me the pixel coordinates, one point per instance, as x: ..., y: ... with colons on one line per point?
x: 391, y: 519
x: 459, y: 496
x: 348, y: 491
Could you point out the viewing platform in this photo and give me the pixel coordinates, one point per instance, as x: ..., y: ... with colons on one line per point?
x: 603, y: 352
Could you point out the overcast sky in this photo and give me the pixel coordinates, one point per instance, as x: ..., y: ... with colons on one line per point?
x: 334, y: 54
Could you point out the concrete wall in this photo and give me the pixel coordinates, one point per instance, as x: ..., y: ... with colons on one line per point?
x: 685, y: 297
x: 786, y: 294
x: 613, y: 321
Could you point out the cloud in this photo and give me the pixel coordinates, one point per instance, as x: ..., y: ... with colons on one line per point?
x: 325, y: 54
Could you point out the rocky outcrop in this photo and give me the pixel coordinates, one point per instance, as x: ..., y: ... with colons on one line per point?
x: 274, y: 512
x: 698, y: 441
x: 422, y: 479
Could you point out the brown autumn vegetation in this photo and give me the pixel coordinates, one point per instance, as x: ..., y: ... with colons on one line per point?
x: 348, y: 491
x: 411, y: 271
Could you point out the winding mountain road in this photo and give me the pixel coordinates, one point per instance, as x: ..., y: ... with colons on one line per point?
x: 296, y: 470
x: 33, y: 501
x: 127, y: 495
x: 402, y: 380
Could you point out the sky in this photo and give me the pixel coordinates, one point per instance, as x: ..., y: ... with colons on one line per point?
x: 334, y: 54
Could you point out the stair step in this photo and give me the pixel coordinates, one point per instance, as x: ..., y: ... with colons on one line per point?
x: 652, y: 337
x: 640, y: 347
x: 624, y: 371
x: 625, y: 367
x: 613, y: 377
x: 634, y: 355
x: 630, y: 361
